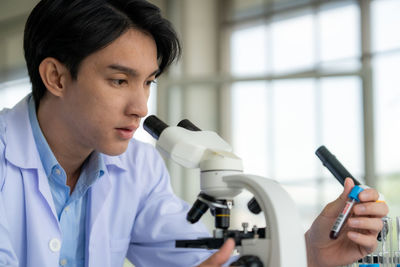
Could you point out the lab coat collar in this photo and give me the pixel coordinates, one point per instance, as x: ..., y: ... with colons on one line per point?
x: 21, y: 147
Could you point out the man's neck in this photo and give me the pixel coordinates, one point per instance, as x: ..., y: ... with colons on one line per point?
x: 72, y: 179
x: 65, y: 149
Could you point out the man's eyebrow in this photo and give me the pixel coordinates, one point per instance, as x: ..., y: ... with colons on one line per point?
x: 130, y: 71
x: 155, y: 73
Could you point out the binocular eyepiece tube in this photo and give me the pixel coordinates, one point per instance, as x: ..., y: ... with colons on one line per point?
x: 154, y: 126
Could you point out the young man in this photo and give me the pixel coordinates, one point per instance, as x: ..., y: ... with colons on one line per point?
x: 75, y: 188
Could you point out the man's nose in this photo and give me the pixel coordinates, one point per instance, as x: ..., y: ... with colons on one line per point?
x: 138, y: 104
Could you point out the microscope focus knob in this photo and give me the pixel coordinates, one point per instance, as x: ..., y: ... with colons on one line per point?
x: 253, y: 206
x: 248, y: 261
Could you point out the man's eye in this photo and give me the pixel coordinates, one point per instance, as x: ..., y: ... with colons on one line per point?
x: 119, y: 81
x: 151, y: 82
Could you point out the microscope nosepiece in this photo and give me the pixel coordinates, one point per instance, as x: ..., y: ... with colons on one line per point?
x: 197, y: 210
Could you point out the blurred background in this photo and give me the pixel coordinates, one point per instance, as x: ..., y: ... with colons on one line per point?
x: 276, y: 79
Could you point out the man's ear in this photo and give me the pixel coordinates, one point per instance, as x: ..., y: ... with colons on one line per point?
x: 54, y: 75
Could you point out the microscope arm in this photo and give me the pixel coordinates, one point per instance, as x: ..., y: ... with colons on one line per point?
x: 285, y: 242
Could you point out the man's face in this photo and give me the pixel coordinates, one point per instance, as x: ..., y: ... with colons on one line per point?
x: 104, y: 105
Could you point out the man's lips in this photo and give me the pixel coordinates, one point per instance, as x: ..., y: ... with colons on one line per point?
x: 126, y: 132
x: 128, y: 128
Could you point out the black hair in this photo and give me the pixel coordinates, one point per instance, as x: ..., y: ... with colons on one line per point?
x: 71, y: 30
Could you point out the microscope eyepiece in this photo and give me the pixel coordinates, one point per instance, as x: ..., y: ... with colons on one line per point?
x: 188, y: 125
x: 154, y: 126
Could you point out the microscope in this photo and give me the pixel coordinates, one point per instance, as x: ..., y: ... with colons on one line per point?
x: 280, y: 244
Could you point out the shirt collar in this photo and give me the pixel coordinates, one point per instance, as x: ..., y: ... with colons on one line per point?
x: 92, y: 170
x: 95, y: 166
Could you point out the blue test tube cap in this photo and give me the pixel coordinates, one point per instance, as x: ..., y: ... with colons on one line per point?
x: 369, y: 265
x: 354, y: 192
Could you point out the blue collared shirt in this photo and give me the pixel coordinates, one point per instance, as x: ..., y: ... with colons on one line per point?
x: 70, y: 208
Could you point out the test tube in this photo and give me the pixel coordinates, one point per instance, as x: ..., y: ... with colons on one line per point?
x: 385, y: 255
x: 369, y: 261
x: 396, y: 256
x: 344, y: 215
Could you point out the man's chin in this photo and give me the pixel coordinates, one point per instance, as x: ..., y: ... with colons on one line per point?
x: 115, y: 150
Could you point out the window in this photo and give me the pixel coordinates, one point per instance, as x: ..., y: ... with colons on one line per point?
x: 304, y: 88
x: 248, y: 46
x: 292, y: 46
x: 250, y: 120
x: 386, y: 81
x: 13, y: 91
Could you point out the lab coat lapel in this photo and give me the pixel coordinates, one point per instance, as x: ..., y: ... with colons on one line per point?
x: 44, y: 189
x: 38, y: 209
x: 100, y: 190
x: 97, y: 235
x: 97, y: 197
x: 21, y: 150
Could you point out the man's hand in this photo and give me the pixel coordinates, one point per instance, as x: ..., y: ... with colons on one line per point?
x: 221, y: 256
x: 356, y: 239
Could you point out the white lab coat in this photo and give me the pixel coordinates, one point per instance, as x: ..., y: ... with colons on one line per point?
x: 131, y: 209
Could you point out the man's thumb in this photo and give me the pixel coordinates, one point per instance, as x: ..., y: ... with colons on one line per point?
x: 335, y: 207
x: 348, y: 185
x: 222, y: 255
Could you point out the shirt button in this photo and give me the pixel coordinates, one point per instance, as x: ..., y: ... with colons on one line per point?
x: 63, y: 262
x: 55, y: 245
x: 58, y: 171
x: 66, y: 208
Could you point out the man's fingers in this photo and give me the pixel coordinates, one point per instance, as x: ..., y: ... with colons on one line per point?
x: 222, y: 255
x: 369, y: 194
x: 367, y: 242
x: 374, y: 209
x: 374, y: 225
